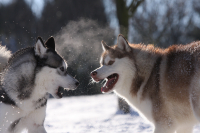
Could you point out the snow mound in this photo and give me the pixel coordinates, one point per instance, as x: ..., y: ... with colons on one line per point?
x: 92, y: 114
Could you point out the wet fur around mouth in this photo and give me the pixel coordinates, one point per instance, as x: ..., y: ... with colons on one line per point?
x: 110, y: 82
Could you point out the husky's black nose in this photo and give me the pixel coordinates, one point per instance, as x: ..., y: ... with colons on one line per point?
x: 77, y: 83
x: 93, y: 74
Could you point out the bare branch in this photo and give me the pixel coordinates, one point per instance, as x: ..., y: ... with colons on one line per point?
x: 133, y: 7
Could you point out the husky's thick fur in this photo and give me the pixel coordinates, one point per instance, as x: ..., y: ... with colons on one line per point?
x: 28, y: 78
x: 163, y: 85
x: 4, y: 56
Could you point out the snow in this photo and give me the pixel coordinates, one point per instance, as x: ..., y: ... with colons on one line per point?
x: 92, y: 114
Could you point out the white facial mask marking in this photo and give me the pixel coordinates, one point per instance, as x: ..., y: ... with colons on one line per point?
x: 107, y: 59
x: 101, y: 60
x: 48, y: 80
x: 121, y: 67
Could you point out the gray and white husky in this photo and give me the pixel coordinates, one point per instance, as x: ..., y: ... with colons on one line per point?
x: 28, y: 78
x: 163, y: 85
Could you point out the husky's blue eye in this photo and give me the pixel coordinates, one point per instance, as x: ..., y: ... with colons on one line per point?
x: 110, y: 62
x: 62, y: 69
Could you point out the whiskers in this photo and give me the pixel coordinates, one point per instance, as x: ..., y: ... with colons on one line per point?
x: 104, y: 81
x: 92, y: 81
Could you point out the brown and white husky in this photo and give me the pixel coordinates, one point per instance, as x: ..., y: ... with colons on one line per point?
x: 163, y: 85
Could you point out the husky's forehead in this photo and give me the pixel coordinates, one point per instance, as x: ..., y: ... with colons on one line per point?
x: 54, y: 59
x: 111, y: 54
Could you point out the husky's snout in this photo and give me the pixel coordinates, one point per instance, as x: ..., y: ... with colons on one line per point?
x: 77, y: 83
x: 72, y: 83
x: 93, y: 74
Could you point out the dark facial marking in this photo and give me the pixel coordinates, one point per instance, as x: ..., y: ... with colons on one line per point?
x: 54, y: 59
x: 4, y: 98
x: 14, y: 124
x: 110, y: 62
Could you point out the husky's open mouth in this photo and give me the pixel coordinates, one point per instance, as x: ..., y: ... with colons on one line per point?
x: 60, y: 92
x: 111, y: 81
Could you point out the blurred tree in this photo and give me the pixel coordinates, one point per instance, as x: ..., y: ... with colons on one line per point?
x: 124, y: 13
x: 17, y: 24
x: 57, y: 13
x: 195, y: 26
x: 165, y: 25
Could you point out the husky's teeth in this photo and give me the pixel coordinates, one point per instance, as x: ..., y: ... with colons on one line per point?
x: 115, y: 77
x: 106, y: 86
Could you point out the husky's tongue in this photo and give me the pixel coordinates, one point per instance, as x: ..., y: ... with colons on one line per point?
x: 109, y: 84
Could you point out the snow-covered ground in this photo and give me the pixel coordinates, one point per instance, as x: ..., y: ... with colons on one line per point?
x: 92, y: 114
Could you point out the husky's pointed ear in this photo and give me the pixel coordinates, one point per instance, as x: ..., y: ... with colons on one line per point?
x: 105, y: 46
x: 40, y: 49
x: 123, y: 44
x: 50, y: 43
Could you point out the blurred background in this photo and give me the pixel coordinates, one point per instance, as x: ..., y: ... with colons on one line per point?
x: 79, y: 26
